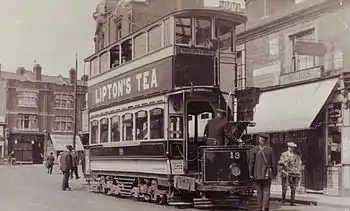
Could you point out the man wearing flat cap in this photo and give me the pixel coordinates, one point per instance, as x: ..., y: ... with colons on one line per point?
x: 289, y: 168
x: 214, y: 129
x: 66, y: 166
x: 263, y: 169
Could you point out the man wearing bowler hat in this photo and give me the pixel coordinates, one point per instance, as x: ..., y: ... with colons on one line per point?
x: 289, y: 168
x: 262, y: 169
x: 66, y: 166
x: 214, y: 129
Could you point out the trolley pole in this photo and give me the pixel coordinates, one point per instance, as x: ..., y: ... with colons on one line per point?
x: 75, y: 101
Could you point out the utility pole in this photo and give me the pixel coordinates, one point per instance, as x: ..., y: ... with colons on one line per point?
x: 75, y: 101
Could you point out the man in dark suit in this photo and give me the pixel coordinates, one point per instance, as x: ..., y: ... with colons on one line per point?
x: 66, y: 166
x: 263, y: 168
x: 214, y: 129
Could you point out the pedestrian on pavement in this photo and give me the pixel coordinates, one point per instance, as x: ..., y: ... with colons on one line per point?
x: 263, y: 169
x: 49, y: 163
x: 75, y: 162
x: 59, y: 163
x: 11, y: 158
x: 66, y: 167
x: 290, y: 171
x: 83, y: 163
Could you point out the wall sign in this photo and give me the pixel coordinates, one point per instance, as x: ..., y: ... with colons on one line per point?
x: 301, y: 75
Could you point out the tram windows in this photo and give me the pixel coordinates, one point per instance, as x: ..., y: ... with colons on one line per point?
x: 115, y: 57
x: 140, y: 45
x: 167, y: 32
x: 157, y: 123
x: 126, y: 51
x: 183, y: 30
x: 115, y: 121
x: 176, y: 127
x: 154, y: 38
x: 104, y: 62
x: 94, y: 131
x: 203, y: 30
x: 104, y: 130
x: 94, y: 67
x: 141, y: 125
x: 128, y: 127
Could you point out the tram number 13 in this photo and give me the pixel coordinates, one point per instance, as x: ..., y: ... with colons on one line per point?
x: 235, y: 155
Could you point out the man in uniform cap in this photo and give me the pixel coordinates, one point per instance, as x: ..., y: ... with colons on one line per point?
x: 262, y: 169
x: 289, y: 168
x: 66, y: 166
x: 214, y: 129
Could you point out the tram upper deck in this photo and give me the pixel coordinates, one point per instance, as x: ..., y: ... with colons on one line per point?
x: 176, y: 50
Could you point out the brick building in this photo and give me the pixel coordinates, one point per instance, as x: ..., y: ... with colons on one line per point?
x: 40, y: 112
x: 296, y: 53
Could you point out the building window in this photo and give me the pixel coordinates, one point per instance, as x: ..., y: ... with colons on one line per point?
x: 28, y: 99
x: 167, y: 32
x: 141, y: 125
x: 154, y: 38
x: 26, y: 122
x: 274, y: 48
x: 157, y: 123
x: 140, y: 45
x: 300, y: 61
x: 65, y: 101
x: 104, y: 124
x: 240, y: 69
x: 338, y: 59
x: 115, y: 128
x: 63, y: 123
x: 102, y: 41
x: 119, y: 32
x: 94, y: 131
x: 183, y: 30
x: 128, y: 127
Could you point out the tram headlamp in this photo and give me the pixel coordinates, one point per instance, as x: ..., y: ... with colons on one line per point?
x: 235, y: 170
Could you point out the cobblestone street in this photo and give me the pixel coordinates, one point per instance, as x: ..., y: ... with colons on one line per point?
x: 29, y: 188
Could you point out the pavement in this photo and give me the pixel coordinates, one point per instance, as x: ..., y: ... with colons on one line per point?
x: 30, y: 188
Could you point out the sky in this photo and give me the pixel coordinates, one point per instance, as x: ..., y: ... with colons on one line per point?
x: 48, y: 32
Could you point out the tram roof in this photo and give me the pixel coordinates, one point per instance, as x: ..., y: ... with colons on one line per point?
x: 224, y: 14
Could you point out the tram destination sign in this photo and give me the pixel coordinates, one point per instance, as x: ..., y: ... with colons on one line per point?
x: 148, y: 79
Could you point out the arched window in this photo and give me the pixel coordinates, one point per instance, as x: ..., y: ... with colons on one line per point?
x: 141, y: 125
x: 140, y: 45
x: 154, y: 38
x: 104, y: 130
x: 157, y: 123
x: 115, y: 121
x: 127, y: 127
x: 94, y: 131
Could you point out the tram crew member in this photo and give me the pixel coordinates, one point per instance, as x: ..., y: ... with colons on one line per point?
x: 75, y: 163
x: 66, y: 166
x: 262, y: 169
x: 214, y: 129
x: 50, y: 162
x: 290, y: 170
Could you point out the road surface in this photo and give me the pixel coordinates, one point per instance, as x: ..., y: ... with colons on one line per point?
x: 30, y: 188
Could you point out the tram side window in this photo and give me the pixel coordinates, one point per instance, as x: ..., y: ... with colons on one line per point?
x: 115, y: 57
x: 104, y: 62
x: 115, y: 128
x: 141, y: 125
x: 176, y: 127
x: 126, y: 51
x: 154, y: 38
x: 127, y: 127
x: 167, y: 32
x: 157, y: 123
x: 140, y: 45
x: 104, y: 130
x: 183, y: 30
x: 94, y: 67
x: 202, y: 30
x: 94, y: 131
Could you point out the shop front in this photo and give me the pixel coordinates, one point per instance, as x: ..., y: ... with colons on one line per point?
x: 302, y: 114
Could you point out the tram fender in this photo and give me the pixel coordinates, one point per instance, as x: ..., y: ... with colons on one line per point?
x: 185, y: 183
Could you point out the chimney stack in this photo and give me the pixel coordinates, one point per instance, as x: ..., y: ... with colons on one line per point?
x: 72, y: 76
x: 20, y: 71
x: 37, y: 72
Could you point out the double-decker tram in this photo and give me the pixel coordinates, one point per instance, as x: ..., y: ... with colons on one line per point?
x: 150, y: 95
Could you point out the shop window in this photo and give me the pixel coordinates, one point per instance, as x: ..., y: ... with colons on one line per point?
x: 115, y: 56
x: 154, y: 38
x: 141, y: 125
x: 202, y: 30
x: 126, y: 51
x: 128, y: 127
x: 104, y: 124
x: 94, y: 131
x: 104, y: 62
x: 183, y: 30
x: 167, y: 35
x: 115, y: 128
x: 157, y: 123
x: 176, y: 127
x: 140, y: 45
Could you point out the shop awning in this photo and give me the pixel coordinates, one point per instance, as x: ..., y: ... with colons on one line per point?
x: 292, y: 108
x: 61, y: 141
